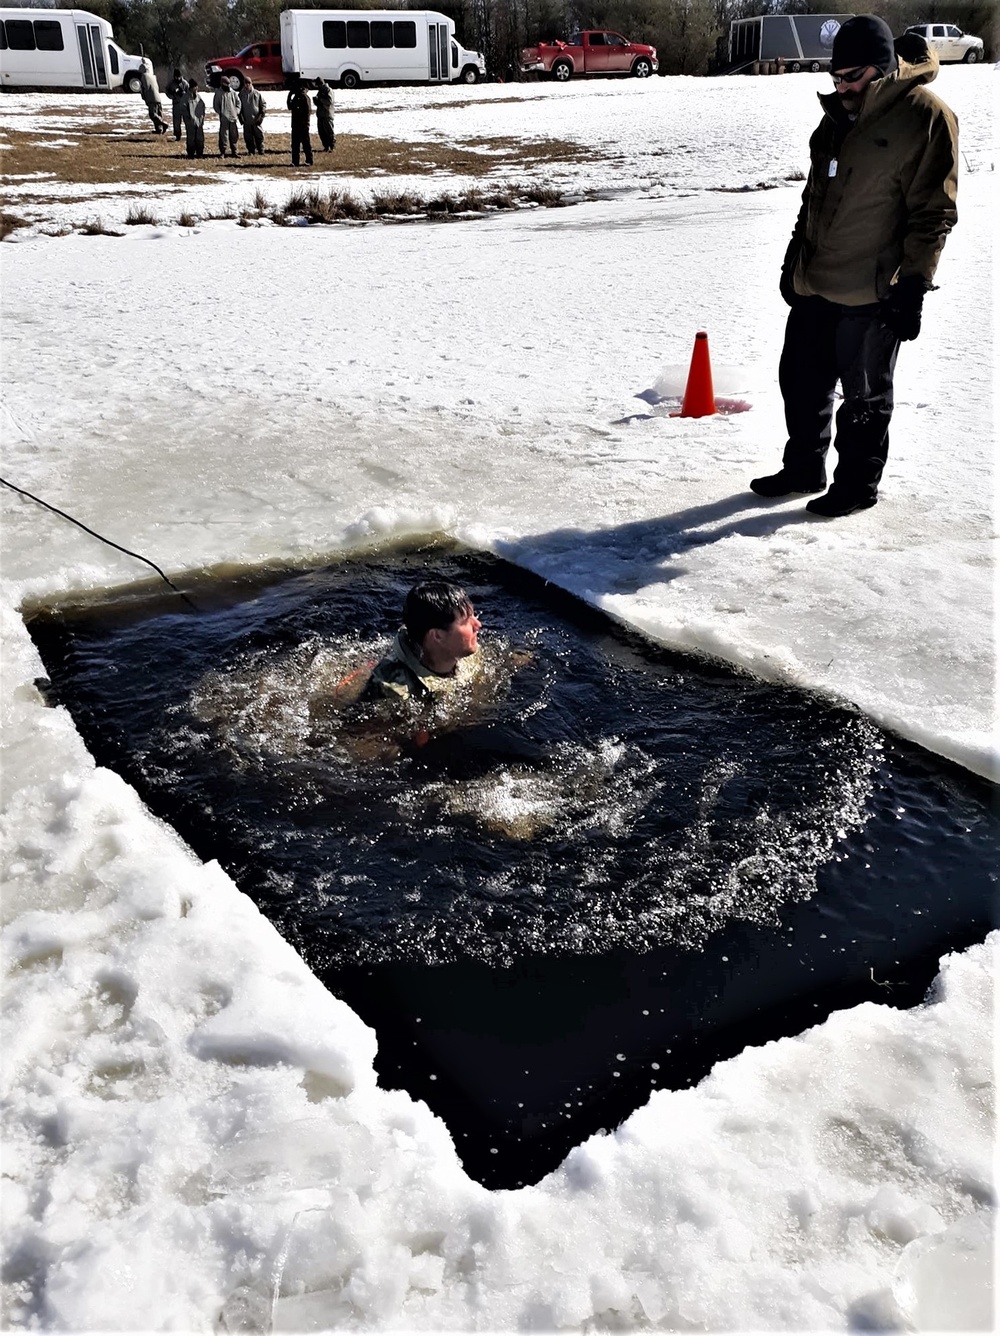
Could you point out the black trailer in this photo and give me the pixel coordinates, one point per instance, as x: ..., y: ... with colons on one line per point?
x: 798, y: 41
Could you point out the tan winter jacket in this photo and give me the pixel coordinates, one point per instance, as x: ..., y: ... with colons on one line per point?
x: 401, y: 675
x: 881, y: 206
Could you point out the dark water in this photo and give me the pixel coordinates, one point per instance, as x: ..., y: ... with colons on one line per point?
x: 606, y: 868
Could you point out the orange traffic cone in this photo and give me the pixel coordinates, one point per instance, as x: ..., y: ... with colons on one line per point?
x: 699, y: 396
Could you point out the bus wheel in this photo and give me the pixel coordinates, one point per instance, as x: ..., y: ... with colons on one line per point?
x: 470, y: 75
x: 795, y: 66
x: 131, y: 83
x: 350, y: 79
x: 815, y: 67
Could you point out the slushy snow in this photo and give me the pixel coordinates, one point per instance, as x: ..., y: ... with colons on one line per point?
x: 193, y: 1135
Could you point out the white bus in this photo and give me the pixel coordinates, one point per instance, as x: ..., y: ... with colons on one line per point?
x: 62, y: 48
x: 355, y: 46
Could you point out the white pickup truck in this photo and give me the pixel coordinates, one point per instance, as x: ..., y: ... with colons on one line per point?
x: 951, y: 44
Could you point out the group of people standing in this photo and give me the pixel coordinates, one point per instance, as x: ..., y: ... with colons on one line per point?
x: 245, y: 107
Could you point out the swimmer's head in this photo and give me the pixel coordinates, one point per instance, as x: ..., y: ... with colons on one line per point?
x: 439, y: 616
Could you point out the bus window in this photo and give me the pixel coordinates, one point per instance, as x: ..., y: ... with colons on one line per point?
x: 20, y: 35
x: 358, y: 35
x: 49, y: 35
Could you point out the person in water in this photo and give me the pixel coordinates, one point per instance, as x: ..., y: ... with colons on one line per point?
x: 435, y: 648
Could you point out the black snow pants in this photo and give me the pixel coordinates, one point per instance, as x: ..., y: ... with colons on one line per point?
x: 194, y: 139
x: 824, y: 343
x: 300, y: 141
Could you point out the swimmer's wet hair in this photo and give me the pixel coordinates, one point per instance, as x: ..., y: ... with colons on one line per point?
x: 433, y: 604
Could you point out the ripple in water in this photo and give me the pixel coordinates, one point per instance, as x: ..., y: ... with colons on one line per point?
x: 504, y: 836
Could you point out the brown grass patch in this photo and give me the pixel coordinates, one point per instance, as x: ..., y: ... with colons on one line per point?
x: 10, y: 222
x: 96, y: 227
x: 106, y: 152
x: 437, y: 106
x: 141, y: 215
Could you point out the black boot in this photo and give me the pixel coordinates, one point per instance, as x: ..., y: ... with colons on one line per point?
x: 834, y: 505
x: 785, y: 484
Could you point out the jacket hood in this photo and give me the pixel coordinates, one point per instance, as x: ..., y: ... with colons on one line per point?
x: 882, y: 93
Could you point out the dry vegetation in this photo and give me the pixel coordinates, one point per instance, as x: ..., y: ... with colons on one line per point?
x: 103, y: 150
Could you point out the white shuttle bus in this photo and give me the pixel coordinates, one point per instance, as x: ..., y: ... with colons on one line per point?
x: 355, y: 46
x: 62, y: 48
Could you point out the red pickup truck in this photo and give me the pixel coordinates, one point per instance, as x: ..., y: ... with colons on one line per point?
x: 597, y: 52
x: 261, y: 62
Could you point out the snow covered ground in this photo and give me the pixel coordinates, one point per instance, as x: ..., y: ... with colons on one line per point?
x: 193, y: 1126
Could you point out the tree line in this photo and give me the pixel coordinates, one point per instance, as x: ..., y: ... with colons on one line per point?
x: 691, y: 36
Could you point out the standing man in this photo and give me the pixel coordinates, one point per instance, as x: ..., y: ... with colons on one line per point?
x: 301, y: 109
x: 227, y: 108
x: 252, y: 112
x: 150, y: 91
x: 324, y: 114
x: 194, y: 122
x: 177, y: 90
x: 876, y: 210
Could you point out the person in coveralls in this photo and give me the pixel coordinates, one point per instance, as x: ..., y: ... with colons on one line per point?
x: 301, y: 109
x: 877, y: 207
x: 150, y: 91
x: 177, y: 91
x: 194, y: 122
x: 324, y: 115
x: 227, y: 107
x: 433, y: 649
x: 252, y: 113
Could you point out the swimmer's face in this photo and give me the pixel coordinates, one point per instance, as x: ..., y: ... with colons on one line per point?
x: 461, y: 638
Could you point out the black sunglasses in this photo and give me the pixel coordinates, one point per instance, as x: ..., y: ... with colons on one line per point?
x: 850, y: 76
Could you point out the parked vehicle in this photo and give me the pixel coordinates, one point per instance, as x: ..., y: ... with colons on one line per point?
x: 800, y: 41
x: 260, y: 62
x: 355, y: 46
x: 951, y: 43
x: 131, y: 67
x: 592, y: 52
x: 60, y: 48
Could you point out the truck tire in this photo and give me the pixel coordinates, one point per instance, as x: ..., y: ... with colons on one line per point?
x: 131, y: 83
x: 350, y: 79
x: 971, y: 56
x: 815, y: 67
x: 795, y: 66
x: 642, y: 68
x: 562, y: 71
x: 469, y: 75
x: 234, y: 79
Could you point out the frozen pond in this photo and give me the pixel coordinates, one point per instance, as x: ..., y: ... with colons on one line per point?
x: 603, y: 867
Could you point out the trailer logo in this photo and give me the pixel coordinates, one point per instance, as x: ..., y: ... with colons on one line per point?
x: 829, y: 31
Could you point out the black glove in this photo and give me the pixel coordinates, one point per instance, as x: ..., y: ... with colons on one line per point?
x: 787, y: 288
x: 786, y: 284
x: 901, y: 308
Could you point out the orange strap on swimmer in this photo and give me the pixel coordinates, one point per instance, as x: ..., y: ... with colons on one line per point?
x: 365, y: 668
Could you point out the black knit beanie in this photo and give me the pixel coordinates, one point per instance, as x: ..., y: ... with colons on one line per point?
x: 864, y: 40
